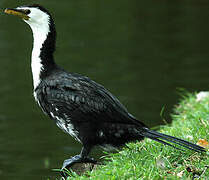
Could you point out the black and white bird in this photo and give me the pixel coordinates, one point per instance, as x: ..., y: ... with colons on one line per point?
x: 79, y: 106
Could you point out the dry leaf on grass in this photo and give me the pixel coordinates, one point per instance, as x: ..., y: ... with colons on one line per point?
x: 203, y: 143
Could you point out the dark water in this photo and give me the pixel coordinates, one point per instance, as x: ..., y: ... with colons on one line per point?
x: 142, y: 51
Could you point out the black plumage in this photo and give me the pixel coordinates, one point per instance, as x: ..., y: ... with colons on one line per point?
x: 85, y: 109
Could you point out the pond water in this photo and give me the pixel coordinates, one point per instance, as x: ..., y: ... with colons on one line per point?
x: 142, y: 51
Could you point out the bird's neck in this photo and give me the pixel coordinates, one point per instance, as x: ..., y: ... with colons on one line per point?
x: 42, y: 60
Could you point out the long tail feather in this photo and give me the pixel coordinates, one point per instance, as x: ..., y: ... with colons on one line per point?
x: 160, y: 137
x: 163, y: 142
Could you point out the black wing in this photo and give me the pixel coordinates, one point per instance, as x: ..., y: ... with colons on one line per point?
x: 77, y: 98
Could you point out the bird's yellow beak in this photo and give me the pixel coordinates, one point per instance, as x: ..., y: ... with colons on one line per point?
x: 17, y: 12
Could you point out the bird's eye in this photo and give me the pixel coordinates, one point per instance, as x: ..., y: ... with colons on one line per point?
x: 27, y: 11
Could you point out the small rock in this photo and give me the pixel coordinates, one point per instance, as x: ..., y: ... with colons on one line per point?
x: 160, y: 162
x: 201, y: 95
x: 81, y: 168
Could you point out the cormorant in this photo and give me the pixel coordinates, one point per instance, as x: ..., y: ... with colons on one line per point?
x: 78, y: 105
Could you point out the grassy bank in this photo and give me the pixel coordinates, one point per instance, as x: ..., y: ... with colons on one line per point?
x: 152, y: 160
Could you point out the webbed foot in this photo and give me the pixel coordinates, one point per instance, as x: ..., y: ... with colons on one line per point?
x: 68, y: 163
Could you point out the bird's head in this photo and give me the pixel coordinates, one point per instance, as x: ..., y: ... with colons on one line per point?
x: 34, y: 15
x: 42, y: 25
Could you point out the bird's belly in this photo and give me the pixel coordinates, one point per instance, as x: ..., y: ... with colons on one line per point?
x: 62, y: 122
x: 67, y: 127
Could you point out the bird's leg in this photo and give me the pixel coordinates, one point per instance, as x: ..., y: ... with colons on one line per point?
x: 84, y: 154
x: 81, y: 158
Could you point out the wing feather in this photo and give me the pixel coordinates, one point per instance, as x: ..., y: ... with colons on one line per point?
x: 80, y: 99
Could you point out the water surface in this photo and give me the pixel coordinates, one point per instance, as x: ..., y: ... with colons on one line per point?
x: 141, y: 51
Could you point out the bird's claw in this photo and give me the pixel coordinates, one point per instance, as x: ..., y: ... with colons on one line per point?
x: 68, y: 163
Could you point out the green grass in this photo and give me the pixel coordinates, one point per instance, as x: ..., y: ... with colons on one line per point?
x: 152, y: 160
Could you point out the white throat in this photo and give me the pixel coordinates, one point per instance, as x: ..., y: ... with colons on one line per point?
x: 39, y: 36
x: 40, y: 31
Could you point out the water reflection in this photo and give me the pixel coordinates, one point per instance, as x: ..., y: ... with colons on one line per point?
x: 140, y: 50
